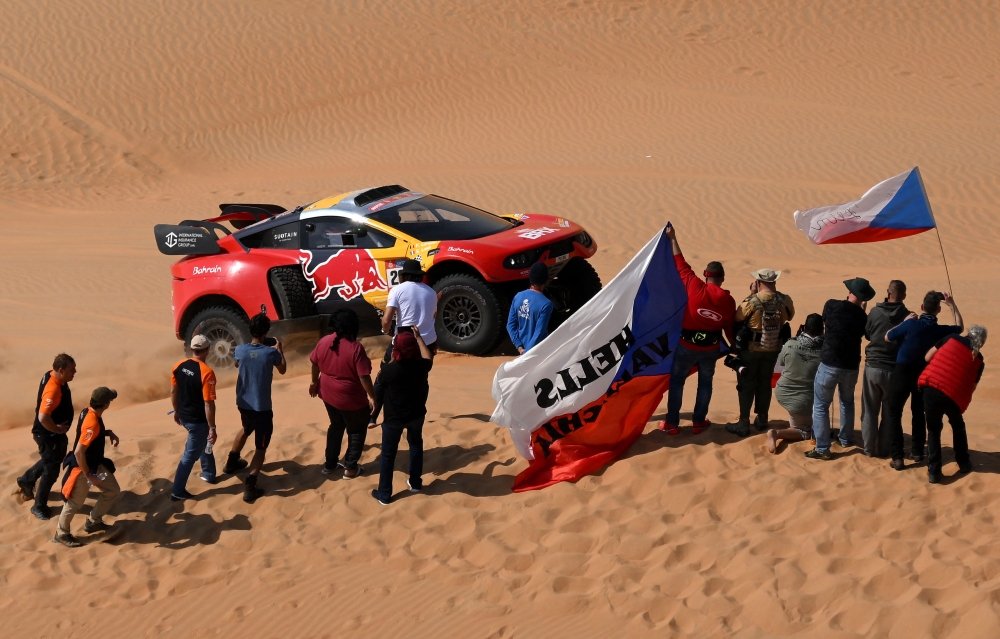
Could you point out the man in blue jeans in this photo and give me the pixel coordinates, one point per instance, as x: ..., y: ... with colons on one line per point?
x: 192, y: 393
x: 840, y: 359
x: 709, y: 314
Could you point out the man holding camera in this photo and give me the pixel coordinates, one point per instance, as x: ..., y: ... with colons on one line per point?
x: 256, y: 362
x: 766, y: 312
x: 845, y: 322
x: 708, y: 315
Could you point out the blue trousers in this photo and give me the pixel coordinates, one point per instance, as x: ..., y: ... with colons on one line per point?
x: 684, y: 360
x: 194, y: 450
x: 828, y: 380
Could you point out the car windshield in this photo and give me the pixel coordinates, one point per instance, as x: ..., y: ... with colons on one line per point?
x: 432, y: 218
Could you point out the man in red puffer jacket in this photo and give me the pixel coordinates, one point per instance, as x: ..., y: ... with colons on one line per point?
x: 709, y: 314
x: 954, y: 369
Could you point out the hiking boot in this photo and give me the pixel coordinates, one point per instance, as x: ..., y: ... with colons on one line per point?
x: 916, y: 458
x: 95, y: 526
x: 669, y: 429
x: 359, y: 471
x: 27, y: 489
x: 897, y: 464
x: 700, y: 427
x: 934, y: 478
x: 815, y: 454
x: 42, y: 512
x: 378, y: 498
x: 67, y: 540
x: 250, y: 491
x: 741, y: 428
x: 761, y: 423
x: 234, y: 464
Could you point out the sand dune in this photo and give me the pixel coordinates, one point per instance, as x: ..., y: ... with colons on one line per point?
x: 721, y: 117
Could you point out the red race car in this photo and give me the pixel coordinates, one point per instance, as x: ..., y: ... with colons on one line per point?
x: 346, y: 251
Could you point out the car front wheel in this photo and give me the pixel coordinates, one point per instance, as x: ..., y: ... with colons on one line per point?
x: 470, y: 315
x: 225, y: 329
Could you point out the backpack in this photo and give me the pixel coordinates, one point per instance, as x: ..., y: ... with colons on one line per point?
x: 770, y: 321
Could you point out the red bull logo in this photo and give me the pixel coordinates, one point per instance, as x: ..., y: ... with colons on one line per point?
x: 350, y: 272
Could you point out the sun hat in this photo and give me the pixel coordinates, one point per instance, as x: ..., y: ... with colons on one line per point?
x: 861, y: 288
x: 765, y: 275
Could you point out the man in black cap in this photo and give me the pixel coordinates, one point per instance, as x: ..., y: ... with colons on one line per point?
x: 845, y: 322
x: 528, y: 321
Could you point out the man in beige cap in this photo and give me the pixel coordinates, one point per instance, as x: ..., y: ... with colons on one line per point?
x: 765, y: 312
x: 87, y: 467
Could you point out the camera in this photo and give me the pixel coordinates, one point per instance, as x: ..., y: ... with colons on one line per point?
x: 269, y: 341
x: 734, y: 362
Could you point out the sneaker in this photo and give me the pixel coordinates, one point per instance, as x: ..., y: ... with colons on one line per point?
x: 329, y: 471
x: 412, y: 489
x: 933, y: 478
x: 27, y: 490
x: 815, y: 454
x: 844, y: 444
x: 897, y: 464
x: 965, y: 469
x: 181, y: 497
x: 378, y: 498
x: 700, y: 427
x: 741, y: 428
x: 67, y: 540
x: 916, y: 458
x: 760, y: 423
x: 208, y: 480
x: 95, y: 526
x: 669, y: 429
x: 42, y: 512
x: 357, y: 473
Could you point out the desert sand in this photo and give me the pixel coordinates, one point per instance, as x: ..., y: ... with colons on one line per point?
x: 721, y: 117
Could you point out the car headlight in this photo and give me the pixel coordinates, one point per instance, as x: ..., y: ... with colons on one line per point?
x: 521, y: 260
x: 583, y: 239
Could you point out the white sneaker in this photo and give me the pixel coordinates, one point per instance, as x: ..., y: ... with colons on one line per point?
x: 412, y: 489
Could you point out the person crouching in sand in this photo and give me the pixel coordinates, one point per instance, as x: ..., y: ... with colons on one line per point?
x: 800, y: 358
x: 405, y: 382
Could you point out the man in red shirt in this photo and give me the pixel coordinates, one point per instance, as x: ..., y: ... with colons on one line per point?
x: 708, y: 315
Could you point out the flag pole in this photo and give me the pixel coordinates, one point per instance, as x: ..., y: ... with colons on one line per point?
x: 937, y: 230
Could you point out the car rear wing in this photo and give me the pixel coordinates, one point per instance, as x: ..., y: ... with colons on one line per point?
x: 198, y: 237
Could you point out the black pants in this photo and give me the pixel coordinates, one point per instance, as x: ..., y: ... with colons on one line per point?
x: 355, y: 423
x: 391, y: 434
x: 937, y: 405
x: 903, y: 385
x: 754, y: 384
x: 52, y: 449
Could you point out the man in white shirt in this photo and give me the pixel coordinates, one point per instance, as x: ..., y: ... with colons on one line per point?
x: 411, y: 303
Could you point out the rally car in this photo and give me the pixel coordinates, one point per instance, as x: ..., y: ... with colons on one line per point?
x: 346, y: 251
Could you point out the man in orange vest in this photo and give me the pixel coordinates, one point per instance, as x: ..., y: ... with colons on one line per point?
x: 954, y: 368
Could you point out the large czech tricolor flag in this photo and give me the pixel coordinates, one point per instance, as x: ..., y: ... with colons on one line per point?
x: 580, y: 398
x: 895, y: 208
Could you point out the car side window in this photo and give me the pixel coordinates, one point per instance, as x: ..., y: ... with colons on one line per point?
x: 342, y: 232
x: 285, y: 236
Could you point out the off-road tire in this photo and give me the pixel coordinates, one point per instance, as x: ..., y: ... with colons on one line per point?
x: 226, y: 328
x: 292, y: 292
x: 580, y: 282
x: 471, y: 315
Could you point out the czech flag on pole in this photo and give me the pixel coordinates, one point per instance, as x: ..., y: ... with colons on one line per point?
x: 892, y: 209
x: 581, y: 397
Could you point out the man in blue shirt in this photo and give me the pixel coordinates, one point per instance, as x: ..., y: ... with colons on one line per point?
x: 528, y: 322
x: 915, y: 336
x: 256, y: 362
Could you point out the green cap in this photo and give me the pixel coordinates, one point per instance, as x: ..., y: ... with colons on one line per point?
x: 861, y: 288
x: 102, y: 396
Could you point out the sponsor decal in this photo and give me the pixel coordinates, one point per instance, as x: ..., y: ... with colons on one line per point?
x: 709, y: 314
x: 171, y: 240
x: 187, y: 372
x: 534, y: 234
x: 351, y: 273
x: 182, y: 239
x: 460, y: 250
x: 563, y: 223
x: 287, y: 235
x: 386, y: 202
x: 206, y: 270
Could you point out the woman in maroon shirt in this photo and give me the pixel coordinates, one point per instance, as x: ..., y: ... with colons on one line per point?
x: 342, y: 378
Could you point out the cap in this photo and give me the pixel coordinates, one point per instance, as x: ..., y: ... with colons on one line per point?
x: 861, y: 289
x: 539, y: 274
x: 199, y: 343
x: 765, y: 275
x: 102, y: 396
x: 412, y: 267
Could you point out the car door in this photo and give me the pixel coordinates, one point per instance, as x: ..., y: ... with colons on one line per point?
x: 346, y: 262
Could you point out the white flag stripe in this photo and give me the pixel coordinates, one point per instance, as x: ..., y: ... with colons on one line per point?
x: 825, y: 223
